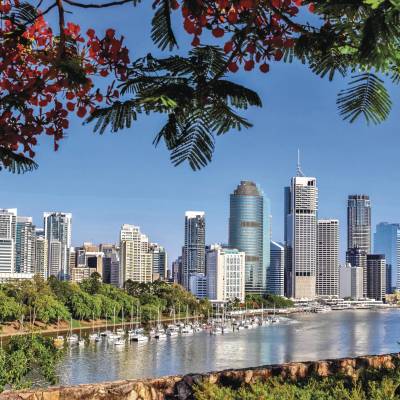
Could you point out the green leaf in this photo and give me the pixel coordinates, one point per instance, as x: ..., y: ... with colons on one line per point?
x: 15, y: 163
x: 161, y: 32
x: 366, y: 96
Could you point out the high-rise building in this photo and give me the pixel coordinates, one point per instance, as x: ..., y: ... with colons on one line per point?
x: 351, y: 282
x: 25, y: 245
x: 301, y: 207
x: 376, y: 276
x: 57, y: 229
x: 276, y: 280
x: 249, y: 232
x: 177, y: 270
x: 359, y: 222
x: 357, y: 257
x: 41, y: 256
x: 193, y: 255
x: 88, y: 260
x: 136, y: 260
x: 327, y: 257
x: 160, y: 261
x: 225, y: 274
x: 387, y: 242
x: 8, y: 224
x: 110, y: 263
x: 198, y: 285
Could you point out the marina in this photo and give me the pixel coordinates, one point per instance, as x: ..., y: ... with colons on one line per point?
x: 307, y: 336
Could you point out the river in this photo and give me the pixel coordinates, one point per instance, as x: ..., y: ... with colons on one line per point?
x: 302, y: 337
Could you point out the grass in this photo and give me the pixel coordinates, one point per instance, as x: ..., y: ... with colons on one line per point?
x: 371, y: 385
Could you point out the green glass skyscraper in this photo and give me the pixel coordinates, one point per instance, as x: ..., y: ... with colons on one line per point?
x: 249, y: 231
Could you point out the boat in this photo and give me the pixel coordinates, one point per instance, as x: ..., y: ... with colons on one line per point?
x: 59, y: 339
x: 139, y: 337
x: 72, y: 337
x: 81, y: 342
x: 93, y: 336
x: 119, y: 342
x: 187, y: 330
x: 160, y: 335
x: 216, y: 330
x: 106, y: 332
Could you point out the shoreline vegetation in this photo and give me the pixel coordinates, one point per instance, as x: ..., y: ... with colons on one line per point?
x: 33, y: 309
x: 54, y: 306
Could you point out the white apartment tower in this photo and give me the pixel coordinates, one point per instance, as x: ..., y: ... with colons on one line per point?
x: 301, y: 206
x: 194, y: 249
x: 41, y: 254
x: 25, y: 245
x: 225, y: 274
x: 136, y: 260
x: 327, y: 257
x: 276, y: 275
x: 57, y: 230
x: 8, y: 224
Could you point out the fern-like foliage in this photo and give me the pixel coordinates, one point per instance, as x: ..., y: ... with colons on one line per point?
x: 194, y: 94
x: 366, y: 96
x: 15, y: 163
x: 161, y: 32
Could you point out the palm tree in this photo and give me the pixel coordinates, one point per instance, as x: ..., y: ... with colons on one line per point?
x: 198, y: 101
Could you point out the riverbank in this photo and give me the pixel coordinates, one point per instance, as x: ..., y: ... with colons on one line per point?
x: 183, y: 387
x: 14, y: 328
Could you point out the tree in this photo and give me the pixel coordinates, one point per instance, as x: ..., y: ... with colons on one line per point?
x: 23, y: 355
x: 46, y: 76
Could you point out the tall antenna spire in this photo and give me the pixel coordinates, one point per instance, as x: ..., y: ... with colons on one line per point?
x: 299, y: 172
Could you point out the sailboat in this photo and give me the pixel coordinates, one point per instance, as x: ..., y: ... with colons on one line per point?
x: 58, y: 340
x: 138, y: 335
x: 94, y: 336
x: 187, y: 329
x: 121, y: 331
x: 274, y: 319
x: 106, y: 332
x: 81, y: 341
x: 113, y: 336
x: 73, y: 337
x: 160, y: 332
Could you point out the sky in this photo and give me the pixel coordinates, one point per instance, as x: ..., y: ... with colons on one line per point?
x: 106, y: 181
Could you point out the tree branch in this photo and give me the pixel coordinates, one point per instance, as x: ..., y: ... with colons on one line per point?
x: 93, y: 5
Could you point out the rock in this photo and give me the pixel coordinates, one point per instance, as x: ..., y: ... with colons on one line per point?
x: 181, y: 387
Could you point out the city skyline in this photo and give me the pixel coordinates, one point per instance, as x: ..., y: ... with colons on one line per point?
x: 174, y: 252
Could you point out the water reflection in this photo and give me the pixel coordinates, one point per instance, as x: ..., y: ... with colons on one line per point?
x: 306, y: 337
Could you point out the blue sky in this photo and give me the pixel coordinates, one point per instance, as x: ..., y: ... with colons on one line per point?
x: 109, y: 180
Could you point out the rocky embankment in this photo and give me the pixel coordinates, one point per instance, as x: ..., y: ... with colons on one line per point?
x: 181, y: 387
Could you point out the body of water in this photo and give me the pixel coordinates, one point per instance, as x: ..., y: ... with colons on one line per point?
x: 302, y: 337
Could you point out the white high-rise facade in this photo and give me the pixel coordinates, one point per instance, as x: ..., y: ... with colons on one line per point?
x: 8, y: 224
x: 41, y: 254
x: 276, y: 281
x: 136, y: 260
x: 194, y: 249
x: 328, y: 257
x: 301, y: 207
x: 57, y: 229
x: 25, y: 245
x: 225, y: 274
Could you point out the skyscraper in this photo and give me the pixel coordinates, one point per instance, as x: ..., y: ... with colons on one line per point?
x: 327, y: 257
x: 357, y: 257
x: 301, y: 206
x: 387, y: 242
x: 249, y: 231
x: 57, y: 229
x: 276, y: 280
x: 8, y: 223
x: 160, y: 261
x: 359, y: 222
x: 41, y: 256
x: 194, y: 249
x: 376, y: 276
x: 225, y: 274
x: 25, y: 245
x: 136, y: 261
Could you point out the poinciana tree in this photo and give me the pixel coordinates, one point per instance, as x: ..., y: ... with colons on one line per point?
x: 48, y: 73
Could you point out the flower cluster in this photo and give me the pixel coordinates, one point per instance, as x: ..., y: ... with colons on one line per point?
x: 257, y: 31
x: 45, y: 77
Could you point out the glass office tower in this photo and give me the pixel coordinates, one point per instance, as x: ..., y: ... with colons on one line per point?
x: 249, y: 231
